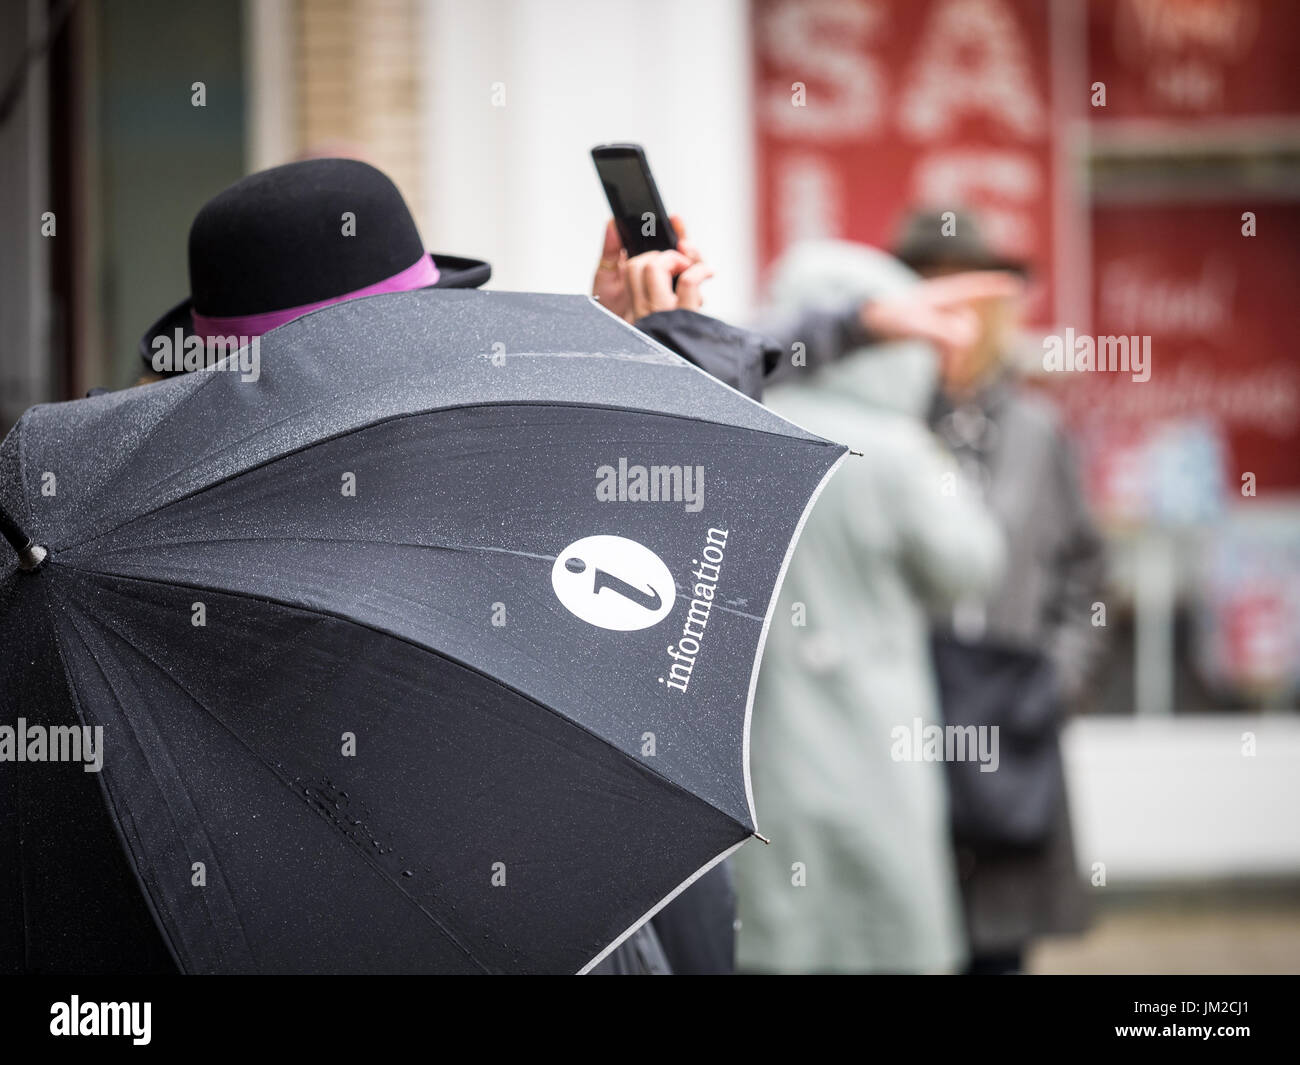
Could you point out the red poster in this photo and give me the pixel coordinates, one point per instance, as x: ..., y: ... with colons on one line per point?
x: 1195, y: 59
x: 866, y: 108
x: 1219, y: 308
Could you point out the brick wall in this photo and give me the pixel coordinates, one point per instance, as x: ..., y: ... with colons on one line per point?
x: 357, y: 86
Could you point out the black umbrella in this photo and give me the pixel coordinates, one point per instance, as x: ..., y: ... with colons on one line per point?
x: 396, y: 668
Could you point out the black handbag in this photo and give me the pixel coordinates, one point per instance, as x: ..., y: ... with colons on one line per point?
x: 1015, y: 691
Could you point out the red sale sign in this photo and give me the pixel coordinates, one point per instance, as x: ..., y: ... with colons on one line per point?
x: 867, y: 109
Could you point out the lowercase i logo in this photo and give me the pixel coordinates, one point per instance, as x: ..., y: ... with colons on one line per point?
x: 613, y: 583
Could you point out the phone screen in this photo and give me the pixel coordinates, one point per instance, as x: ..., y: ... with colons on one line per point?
x: 634, y: 201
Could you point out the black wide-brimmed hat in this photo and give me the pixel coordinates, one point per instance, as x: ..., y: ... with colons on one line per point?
x: 294, y: 237
x: 926, y: 243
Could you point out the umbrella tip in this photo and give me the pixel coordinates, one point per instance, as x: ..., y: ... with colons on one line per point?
x: 858, y: 453
x: 30, y: 554
x: 763, y: 838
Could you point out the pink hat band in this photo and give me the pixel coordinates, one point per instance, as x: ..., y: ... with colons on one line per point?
x: 420, y: 274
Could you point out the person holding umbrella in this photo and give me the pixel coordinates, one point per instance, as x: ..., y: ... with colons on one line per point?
x: 267, y: 250
x: 276, y: 595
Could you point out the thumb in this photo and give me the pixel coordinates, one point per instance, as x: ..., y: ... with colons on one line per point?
x: 689, y: 297
x: 613, y: 243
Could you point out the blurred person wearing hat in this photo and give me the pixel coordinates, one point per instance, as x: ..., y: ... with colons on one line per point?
x: 1016, y: 885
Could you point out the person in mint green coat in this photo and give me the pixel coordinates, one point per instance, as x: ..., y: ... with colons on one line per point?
x: 859, y: 874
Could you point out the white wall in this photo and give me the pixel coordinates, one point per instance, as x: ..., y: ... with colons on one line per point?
x: 515, y: 184
x: 1175, y: 798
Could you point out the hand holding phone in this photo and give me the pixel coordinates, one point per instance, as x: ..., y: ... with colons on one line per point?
x: 652, y: 281
x: 647, y: 264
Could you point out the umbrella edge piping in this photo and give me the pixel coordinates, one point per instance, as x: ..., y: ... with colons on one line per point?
x: 767, y: 623
x: 660, y: 905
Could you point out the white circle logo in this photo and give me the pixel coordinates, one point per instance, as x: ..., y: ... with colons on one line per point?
x: 613, y: 582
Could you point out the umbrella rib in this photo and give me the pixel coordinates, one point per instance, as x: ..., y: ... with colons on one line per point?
x: 321, y: 612
x: 411, y: 599
x: 355, y: 429
x: 139, y: 546
x: 127, y: 814
x: 366, y: 858
x: 337, y: 396
x: 164, y: 417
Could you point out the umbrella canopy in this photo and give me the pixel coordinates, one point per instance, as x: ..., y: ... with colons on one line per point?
x: 430, y: 649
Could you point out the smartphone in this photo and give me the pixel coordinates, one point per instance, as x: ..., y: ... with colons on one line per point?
x: 634, y: 198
